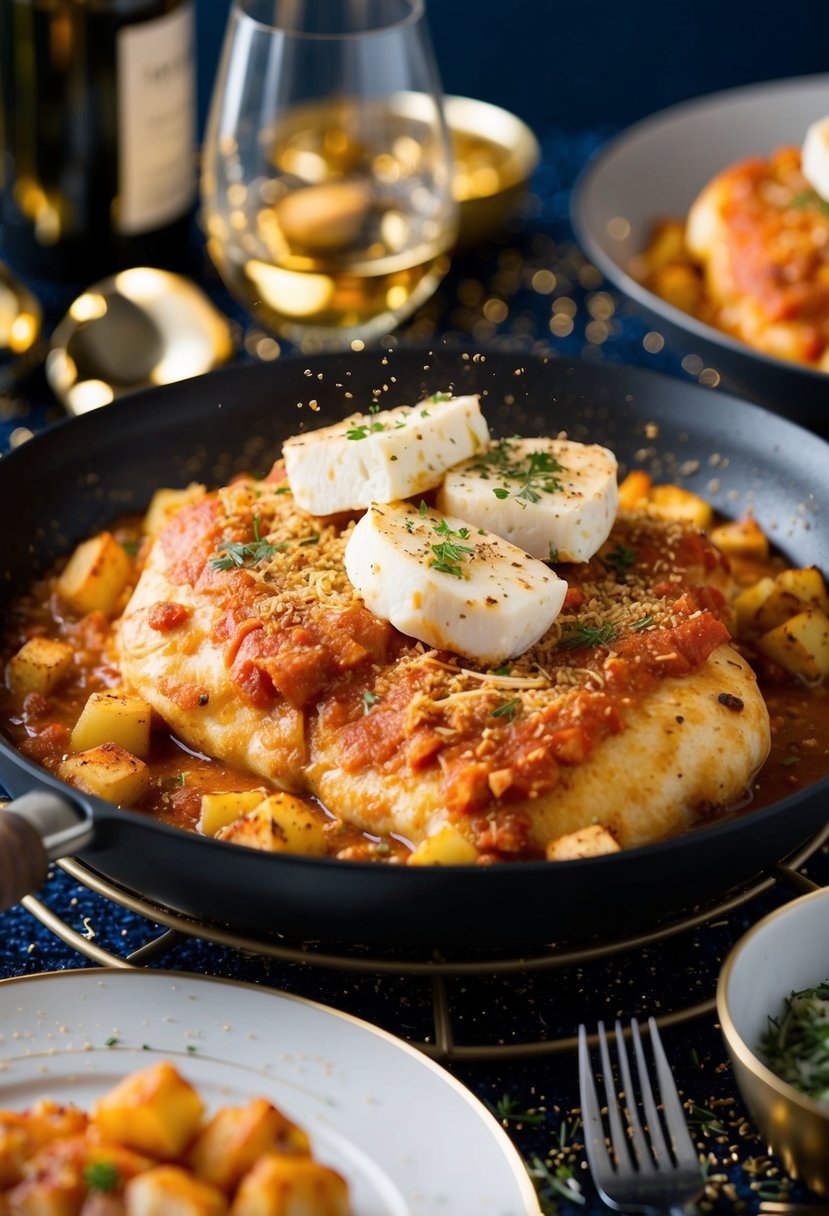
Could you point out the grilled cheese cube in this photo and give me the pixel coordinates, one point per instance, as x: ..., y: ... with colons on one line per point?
x: 164, y: 504
x: 154, y: 1111
x: 675, y: 502
x: 801, y: 645
x: 447, y: 847
x: 108, y: 772
x: 113, y: 717
x: 591, y: 841
x: 280, y: 823
x: 291, y: 1186
x: 39, y: 665
x: 236, y: 1136
x: 220, y: 810
x: 95, y: 576
x: 168, y: 1190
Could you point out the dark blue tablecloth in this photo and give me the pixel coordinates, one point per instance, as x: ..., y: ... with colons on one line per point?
x: 530, y: 290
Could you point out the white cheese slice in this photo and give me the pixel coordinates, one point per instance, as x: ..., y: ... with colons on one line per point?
x: 449, y: 584
x: 385, y: 456
x: 815, y: 157
x: 554, y: 498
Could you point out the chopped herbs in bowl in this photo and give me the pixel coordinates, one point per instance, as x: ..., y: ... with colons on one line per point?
x: 796, y: 1044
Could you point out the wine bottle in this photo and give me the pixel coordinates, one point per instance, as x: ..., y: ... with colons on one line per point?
x: 97, y: 134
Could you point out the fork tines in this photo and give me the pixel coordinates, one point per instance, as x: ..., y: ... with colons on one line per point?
x: 643, y: 1143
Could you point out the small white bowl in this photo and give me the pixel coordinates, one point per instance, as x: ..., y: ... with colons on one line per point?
x: 786, y: 952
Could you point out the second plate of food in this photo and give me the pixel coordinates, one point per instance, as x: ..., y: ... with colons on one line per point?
x: 653, y: 172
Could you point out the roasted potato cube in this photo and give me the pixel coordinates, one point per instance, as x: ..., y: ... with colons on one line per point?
x: 51, y: 1195
x: 154, y: 1111
x: 447, y: 847
x: 219, y: 810
x: 39, y: 665
x: 741, y: 538
x: 108, y: 772
x: 591, y: 841
x: 164, y: 504
x: 807, y: 584
x: 15, y: 1148
x: 675, y: 502
x: 291, y: 1186
x: 95, y: 576
x: 168, y: 1190
x: 280, y: 823
x: 801, y: 645
x: 113, y: 717
x: 749, y: 602
x: 634, y: 490
x: 234, y: 1138
x: 667, y: 243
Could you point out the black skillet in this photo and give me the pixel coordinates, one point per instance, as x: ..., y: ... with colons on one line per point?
x: 72, y: 480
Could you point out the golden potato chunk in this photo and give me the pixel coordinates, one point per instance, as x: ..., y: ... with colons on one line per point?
x: 801, y: 645
x: 39, y: 665
x: 634, y: 491
x: 153, y: 1111
x: 280, y: 823
x: 749, y: 602
x: 446, y: 848
x: 219, y: 810
x: 95, y: 576
x: 291, y: 1186
x: 113, y: 717
x: 52, y: 1195
x: 807, y: 584
x: 741, y: 538
x: 164, y: 504
x: 108, y: 772
x: 234, y: 1138
x: 592, y: 841
x: 675, y: 502
x: 168, y: 1190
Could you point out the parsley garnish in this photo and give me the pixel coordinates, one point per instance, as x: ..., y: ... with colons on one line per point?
x: 561, y: 1183
x: 810, y: 198
x: 422, y: 509
x: 588, y: 635
x: 535, y: 472
x: 448, y: 555
x: 111, y: 1041
x: 130, y: 547
x: 436, y: 397
x: 245, y: 556
x: 370, y: 699
x: 508, y: 1110
x: 182, y: 778
x: 500, y: 671
x: 443, y: 529
x: 363, y: 430
x: 643, y: 622
x: 790, y: 761
x: 102, y: 1176
x: 620, y: 559
x: 508, y: 710
x: 552, y: 556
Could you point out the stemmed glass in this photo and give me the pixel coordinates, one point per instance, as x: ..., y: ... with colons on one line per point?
x: 327, y: 168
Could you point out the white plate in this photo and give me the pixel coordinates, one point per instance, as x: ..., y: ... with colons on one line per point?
x: 410, y: 1140
x: 655, y: 170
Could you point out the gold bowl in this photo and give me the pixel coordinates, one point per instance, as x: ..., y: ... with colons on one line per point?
x: 786, y: 952
x: 495, y: 154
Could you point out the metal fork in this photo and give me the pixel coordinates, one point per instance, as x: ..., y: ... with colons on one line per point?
x: 645, y: 1172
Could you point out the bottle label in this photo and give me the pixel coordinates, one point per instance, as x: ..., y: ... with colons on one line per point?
x: 156, y: 122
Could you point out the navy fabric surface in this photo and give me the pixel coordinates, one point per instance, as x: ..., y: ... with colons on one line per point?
x: 516, y: 271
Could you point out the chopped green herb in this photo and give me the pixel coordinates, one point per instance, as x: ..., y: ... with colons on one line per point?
x: 370, y: 699
x: 410, y: 525
x: 500, y: 671
x: 561, y: 1183
x: 191, y: 1047
x: 448, y: 557
x: 790, y: 761
x: 382, y: 848
x: 508, y: 1110
x: 588, y: 635
x: 111, y: 1041
x: 810, y: 198
x: 707, y: 1120
x: 363, y: 430
x: 238, y: 555
x: 182, y: 778
x: 620, y: 559
x: 443, y: 529
x: 508, y: 710
x: 552, y: 556
x: 643, y: 622
x: 534, y: 472
x: 102, y: 1176
x: 130, y: 547
x: 283, y: 489
x: 436, y: 397
x: 146, y: 1047
x: 422, y: 509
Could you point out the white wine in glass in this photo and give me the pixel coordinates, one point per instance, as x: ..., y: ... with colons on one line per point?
x: 327, y: 167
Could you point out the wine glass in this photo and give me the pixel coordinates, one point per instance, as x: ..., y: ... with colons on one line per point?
x: 327, y: 167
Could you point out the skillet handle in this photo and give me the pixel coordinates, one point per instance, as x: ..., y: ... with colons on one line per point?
x: 34, y: 830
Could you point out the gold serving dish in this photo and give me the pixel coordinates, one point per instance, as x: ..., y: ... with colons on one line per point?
x: 786, y: 952
x: 495, y: 155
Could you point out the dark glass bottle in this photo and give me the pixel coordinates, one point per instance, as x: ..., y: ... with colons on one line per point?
x: 97, y: 134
